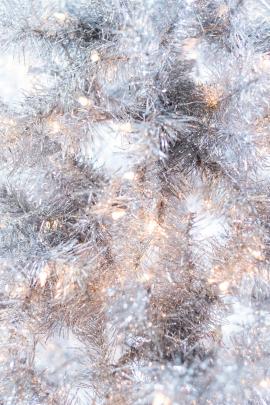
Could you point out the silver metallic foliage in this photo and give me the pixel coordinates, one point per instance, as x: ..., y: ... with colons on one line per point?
x: 134, y: 200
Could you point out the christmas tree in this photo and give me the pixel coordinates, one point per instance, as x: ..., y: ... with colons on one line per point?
x: 134, y: 201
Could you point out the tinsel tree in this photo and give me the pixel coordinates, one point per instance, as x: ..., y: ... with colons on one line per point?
x: 134, y: 200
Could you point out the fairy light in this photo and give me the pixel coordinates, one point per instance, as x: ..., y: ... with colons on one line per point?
x: 44, y: 274
x: 145, y: 277
x: 265, y: 383
x: 224, y: 286
x: 55, y: 127
x: 42, y: 279
x: 117, y: 214
x: 264, y: 63
x: 190, y: 48
x: 151, y: 226
x: 257, y: 254
x: 84, y: 101
x: 60, y: 17
x: 94, y: 56
x: 129, y: 176
x: 8, y: 121
x: 161, y: 399
x: 223, y: 10
x: 125, y: 127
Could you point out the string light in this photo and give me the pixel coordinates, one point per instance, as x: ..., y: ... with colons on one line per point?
x: 55, y: 126
x: 161, y: 399
x: 84, y: 101
x: 125, y: 127
x: 129, y: 176
x: 61, y: 17
x: 257, y: 254
x: 94, y: 56
x: 190, y: 48
x: 265, y: 383
x: 224, y: 286
x: 44, y: 274
x: 117, y: 214
x: 151, y: 226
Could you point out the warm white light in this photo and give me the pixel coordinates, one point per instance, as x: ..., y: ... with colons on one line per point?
x: 151, y: 226
x: 224, y: 286
x: 7, y: 121
x: 43, y: 276
x: 223, y: 10
x: 161, y: 399
x: 61, y: 17
x: 94, y: 56
x: 144, y: 277
x: 264, y: 63
x: 129, y: 176
x: 190, y: 48
x: 125, y: 127
x: 55, y: 127
x: 118, y: 214
x: 257, y: 254
x: 265, y: 383
x: 84, y: 101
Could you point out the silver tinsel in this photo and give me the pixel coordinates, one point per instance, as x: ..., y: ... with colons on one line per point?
x: 134, y: 198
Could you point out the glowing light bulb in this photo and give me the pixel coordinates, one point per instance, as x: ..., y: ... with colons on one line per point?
x: 257, y: 254
x: 61, y: 17
x: 161, y: 399
x: 224, y: 286
x: 264, y: 63
x: 94, y: 56
x: 117, y: 214
x: 144, y: 277
x: 55, y: 127
x: 8, y: 121
x: 125, y: 127
x: 190, y: 48
x: 265, y: 383
x: 43, y: 276
x: 84, y: 101
x: 129, y: 176
x: 223, y: 10
x: 151, y: 225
